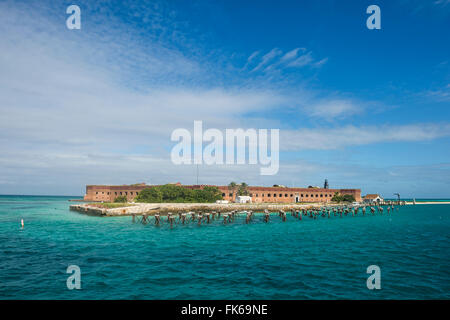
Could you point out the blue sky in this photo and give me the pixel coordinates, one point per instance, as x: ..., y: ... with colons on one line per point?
x: 364, y: 108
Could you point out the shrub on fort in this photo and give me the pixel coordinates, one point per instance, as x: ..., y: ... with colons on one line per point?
x: 343, y: 198
x: 111, y: 205
x: 207, y: 194
x: 149, y: 195
x: 173, y: 193
x: 121, y: 199
x: 348, y: 198
x: 243, y: 189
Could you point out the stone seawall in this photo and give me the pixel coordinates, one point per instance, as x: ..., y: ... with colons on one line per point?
x: 164, y: 208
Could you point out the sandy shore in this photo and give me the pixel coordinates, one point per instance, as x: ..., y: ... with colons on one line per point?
x: 163, y: 208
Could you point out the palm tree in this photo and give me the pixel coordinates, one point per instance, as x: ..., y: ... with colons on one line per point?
x: 243, y: 189
x: 232, y: 187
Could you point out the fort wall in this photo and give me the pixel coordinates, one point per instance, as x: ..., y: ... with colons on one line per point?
x: 258, y: 194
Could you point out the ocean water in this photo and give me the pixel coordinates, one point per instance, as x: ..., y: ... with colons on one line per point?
x: 308, y: 259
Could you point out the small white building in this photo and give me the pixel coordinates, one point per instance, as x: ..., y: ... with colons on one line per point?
x: 373, y: 198
x: 243, y: 199
x: 222, y: 201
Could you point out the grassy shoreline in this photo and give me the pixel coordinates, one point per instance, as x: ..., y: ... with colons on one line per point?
x: 110, y: 205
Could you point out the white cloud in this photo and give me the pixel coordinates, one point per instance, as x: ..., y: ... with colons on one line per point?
x: 332, y: 109
x: 276, y: 60
x: 320, y: 63
x: 252, y: 56
x: 302, y: 60
x: 441, y: 94
x: 268, y: 57
x: 442, y: 3
x: 335, y: 138
x: 53, y: 91
x: 70, y: 119
x: 291, y: 54
x: 98, y: 105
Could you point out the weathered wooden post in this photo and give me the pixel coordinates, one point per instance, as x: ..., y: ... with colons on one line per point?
x: 266, y: 215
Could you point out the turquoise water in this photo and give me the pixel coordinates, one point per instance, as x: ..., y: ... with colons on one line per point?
x: 308, y: 259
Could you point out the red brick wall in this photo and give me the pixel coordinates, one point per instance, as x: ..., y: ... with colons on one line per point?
x: 258, y: 194
x: 109, y: 193
x: 290, y: 195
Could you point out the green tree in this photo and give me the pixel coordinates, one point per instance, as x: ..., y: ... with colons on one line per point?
x: 337, y: 197
x: 243, y: 189
x: 170, y: 193
x: 121, y: 199
x: 177, y: 194
x: 342, y: 198
x: 232, y: 187
x: 348, y: 198
x: 212, y: 194
x: 150, y: 195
